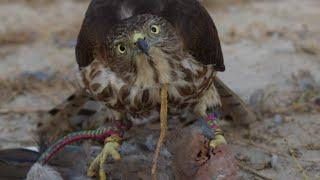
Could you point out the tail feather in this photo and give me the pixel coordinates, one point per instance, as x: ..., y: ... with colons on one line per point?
x: 233, y: 107
x: 15, y: 163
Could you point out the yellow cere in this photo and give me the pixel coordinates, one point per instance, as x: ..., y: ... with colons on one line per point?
x: 138, y: 36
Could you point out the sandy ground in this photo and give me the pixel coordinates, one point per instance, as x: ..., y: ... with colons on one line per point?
x: 272, y: 55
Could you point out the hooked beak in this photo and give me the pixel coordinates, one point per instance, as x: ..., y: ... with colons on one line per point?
x: 143, y: 46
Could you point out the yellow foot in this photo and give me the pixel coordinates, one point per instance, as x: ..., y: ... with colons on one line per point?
x: 218, y: 139
x: 111, y: 148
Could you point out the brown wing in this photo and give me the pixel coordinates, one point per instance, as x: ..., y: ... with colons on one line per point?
x: 233, y: 107
x: 190, y: 18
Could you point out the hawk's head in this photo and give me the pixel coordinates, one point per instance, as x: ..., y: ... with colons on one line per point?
x: 139, y: 34
x: 142, y: 45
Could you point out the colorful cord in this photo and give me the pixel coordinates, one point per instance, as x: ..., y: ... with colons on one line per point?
x: 99, y: 135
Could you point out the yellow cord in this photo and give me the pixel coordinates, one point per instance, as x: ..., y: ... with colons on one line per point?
x: 164, y: 128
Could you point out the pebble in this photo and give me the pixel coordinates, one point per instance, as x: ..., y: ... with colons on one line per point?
x: 274, y: 161
x: 278, y: 119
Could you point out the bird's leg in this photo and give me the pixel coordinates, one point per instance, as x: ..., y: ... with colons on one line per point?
x: 218, y: 139
x: 110, y: 148
x: 218, y: 133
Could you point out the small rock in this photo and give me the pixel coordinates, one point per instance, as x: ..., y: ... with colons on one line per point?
x: 274, y: 161
x: 288, y: 119
x: 278, y: 119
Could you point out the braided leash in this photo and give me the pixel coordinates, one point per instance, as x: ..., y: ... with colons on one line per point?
x: 98, y: 135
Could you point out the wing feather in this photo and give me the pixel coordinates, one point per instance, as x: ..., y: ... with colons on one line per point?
x: 233, y: 107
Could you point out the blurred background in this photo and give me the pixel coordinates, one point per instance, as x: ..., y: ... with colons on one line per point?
x: 272, y: 56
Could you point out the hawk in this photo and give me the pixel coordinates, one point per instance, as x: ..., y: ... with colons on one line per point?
x: 128, y: 49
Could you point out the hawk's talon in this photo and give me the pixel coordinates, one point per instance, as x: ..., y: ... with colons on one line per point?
x: 217, y: 141
x: 218, y: 133
x: 111, y: 148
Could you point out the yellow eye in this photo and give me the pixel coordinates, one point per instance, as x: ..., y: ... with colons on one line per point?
x: 155, y: 29
x: 121, y: 49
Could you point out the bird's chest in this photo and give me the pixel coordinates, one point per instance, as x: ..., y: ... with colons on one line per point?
x: 140, y: 100
x: 187, y: 82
